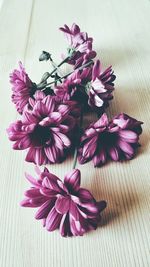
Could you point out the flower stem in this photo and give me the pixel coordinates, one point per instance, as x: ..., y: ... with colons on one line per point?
x: 42, y: 85
x: 59, y: 65
x: 75, y: 158
x: 65, y: 76
x: 76, y: 149
x: 55, y: 65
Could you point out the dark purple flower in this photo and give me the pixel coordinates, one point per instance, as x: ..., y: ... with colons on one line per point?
x: 45, y: 130
x: 80, y: 45
x: 101, y: 86
x: 22, y: 88
x: 64, y: 206
x: 117, y: 140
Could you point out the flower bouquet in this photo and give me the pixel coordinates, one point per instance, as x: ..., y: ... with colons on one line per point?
x: 51, y: 127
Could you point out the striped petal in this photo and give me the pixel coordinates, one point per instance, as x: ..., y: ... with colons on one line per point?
x: 72, y: 180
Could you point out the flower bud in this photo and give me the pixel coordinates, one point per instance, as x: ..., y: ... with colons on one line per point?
x: 44, y: 56
x: 45, y: 76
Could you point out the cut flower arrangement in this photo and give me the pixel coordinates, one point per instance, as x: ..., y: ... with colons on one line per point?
x: 51, y: 127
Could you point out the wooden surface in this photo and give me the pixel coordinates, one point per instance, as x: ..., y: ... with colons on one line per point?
x: 121, y: 30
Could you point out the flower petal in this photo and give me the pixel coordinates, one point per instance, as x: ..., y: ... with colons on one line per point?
x: 53, y: 220
x: 100, y: 158
x: 98, y: 86
x: 64, y: 139
x: 51, y: 184
x: 96, y: 70
x: 39, y: 156
x: 84, y: 194
x: 65, y: 226
x: 38, y: 201
x: 46, y: 121
x: 39, y: 95
x: 102, y: 122
x: 125, y: 147
x: 76, y: 227
x: 32, y: 180
x: 98, y: 101
x: 23, y: 143
x: 114, y: 153
x: 90, y: 147
x: 62, y: 204
x: 27, y: 203
x: 36, y: 155
x: 63, y: 109
x: 32, y: 193
x: 52, y: 153
x: 49, y: 102
x: 72, y: 180
x: 45, y: 209
x: 128, y: 136
x: 74, y: 211
x: 58, y: 142
x: 56, y: 117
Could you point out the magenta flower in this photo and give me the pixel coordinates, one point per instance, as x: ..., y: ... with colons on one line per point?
x: 22, y: 88
x: 80, y: 45
x: 68, y: 88
x: 59, y: 98
x: 117, y: 140
x: 45, y: 130
x: 101, y: 86
x: 64, y: 206
x: 74, y: 87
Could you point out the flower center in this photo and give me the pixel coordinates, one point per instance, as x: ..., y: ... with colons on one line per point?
x: 107, y: 139
x: 80, y: 95
x: 33, y: 89
x: 40, y: 136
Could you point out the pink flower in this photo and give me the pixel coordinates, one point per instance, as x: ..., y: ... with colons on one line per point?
x: 117, y: 140
x: 68, y: 88
x: 60, y: 98
x: 101, y: 86
x: 80, y: 45
x: 22, y: 88
x: 64, y: 206
x: 45, y: 130
x: 74, y: 87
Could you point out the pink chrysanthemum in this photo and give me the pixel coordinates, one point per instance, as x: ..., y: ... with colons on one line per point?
x: 74, y: 87
x: 68, y: 88
x: 22, y: 88
x: 45, y: 130
x: 59, y: 98
x: 101, y: 86
x: 117, y: 140
x: 64, y: 206
x: 80, y: 45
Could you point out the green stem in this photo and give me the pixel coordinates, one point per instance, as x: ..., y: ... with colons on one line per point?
x: 43, y: 84
x: 55, y: 66
x: 59, y: 65
x: 75, y: 158
x: 65, y: 76
x: 76, y: 149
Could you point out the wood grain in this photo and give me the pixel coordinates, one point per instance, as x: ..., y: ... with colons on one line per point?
x: 122, y: 37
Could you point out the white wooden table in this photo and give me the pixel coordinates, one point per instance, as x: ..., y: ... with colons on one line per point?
x: 121, y: 30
